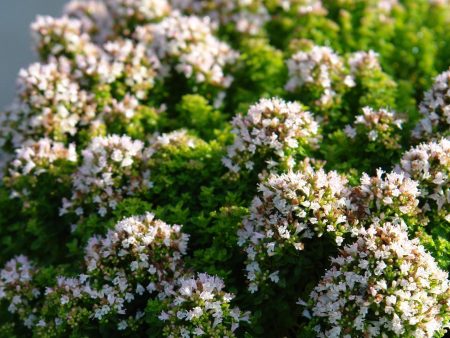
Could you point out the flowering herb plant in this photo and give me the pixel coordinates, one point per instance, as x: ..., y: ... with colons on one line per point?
x: 257, y: 168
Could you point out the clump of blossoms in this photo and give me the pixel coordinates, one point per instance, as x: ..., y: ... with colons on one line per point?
x: 126, y: 65
x: 375, y: 128
x: 128, y: 14
x: 17, y: 288
x: 320, y: 73
x: 143, y: 245
x: 198, y: 306
x: 136, y: 67
x: 66, y: 305
x: 247, y: 16
x: 177, y: 138
x: 49, y: 104
x: 36, y: 158
x: 385, y: 195
x: 132, y: 262
x: 435, y: 109
x: 60, y: 37
x: 122, y: 111
x: 136, y: 256
x: 302, y: 7
x: 382, y: 285
x: 384, y: 9
x: 363, y: 61
x: 93, y: 16
x: 188, y: 45
x: 271, y: 128
x: 429, y: 164
x: 289, y: 209
x: 113, y: 168
x: 123, y: 67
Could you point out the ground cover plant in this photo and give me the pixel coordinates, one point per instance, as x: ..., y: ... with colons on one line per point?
x: 258, y: 168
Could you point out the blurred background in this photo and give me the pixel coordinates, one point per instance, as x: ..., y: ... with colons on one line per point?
x: 15, y: 39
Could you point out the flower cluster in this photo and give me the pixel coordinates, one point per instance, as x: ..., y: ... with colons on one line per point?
x: 135, y: 260
x: 58, y: 98
x: 124, y: 69
x: 135, y: 66
x: 135, y: 243
x: 129, y: 13
x: 246, y: 16
x: 37, y: 157
x: 50, y: 104
x: 121, y: 110
x: 177, y: 138
x: 385, y: 195
x: 363, y: 61
x: 320, y: 71
x: 429, y: 164
x: 272, y: 127
x: 290, y: 209
x: 199, y: 306
x: 66, y: 304
x: 435, y: 109
x: 386, y: 5
x: 34, y: 159
x: 60, y: 37
x: 16, y: 287
x: 93, y: 17
x: 379, y: 127
x: 383, y: 284
x: 303, y: 7
x: 187, y: 43
x: 113, y: 168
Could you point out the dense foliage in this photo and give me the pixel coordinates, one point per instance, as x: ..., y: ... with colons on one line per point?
x: 258, y: 168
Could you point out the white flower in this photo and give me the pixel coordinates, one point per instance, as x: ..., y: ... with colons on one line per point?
x: 188, y: 42
x: 137, y: 11
x: 270, y: 124
x: 429, y: 165
x: 319, y: 67
x: 350, y: 131
x: 122, y: 325
x: 384, y: 301
x: 435, y: 109
x: 384, y: 195
x: 201, y: 298
x: 93, y: 17
x: 107, y: 157
x: 286, y: 211
x: 363, y: 61
x: 36, y: 158
x: 378, y: 126
x: 17, y: 288
x: 60, y: 36
x: 247, y: 16
x: 49, y: 104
